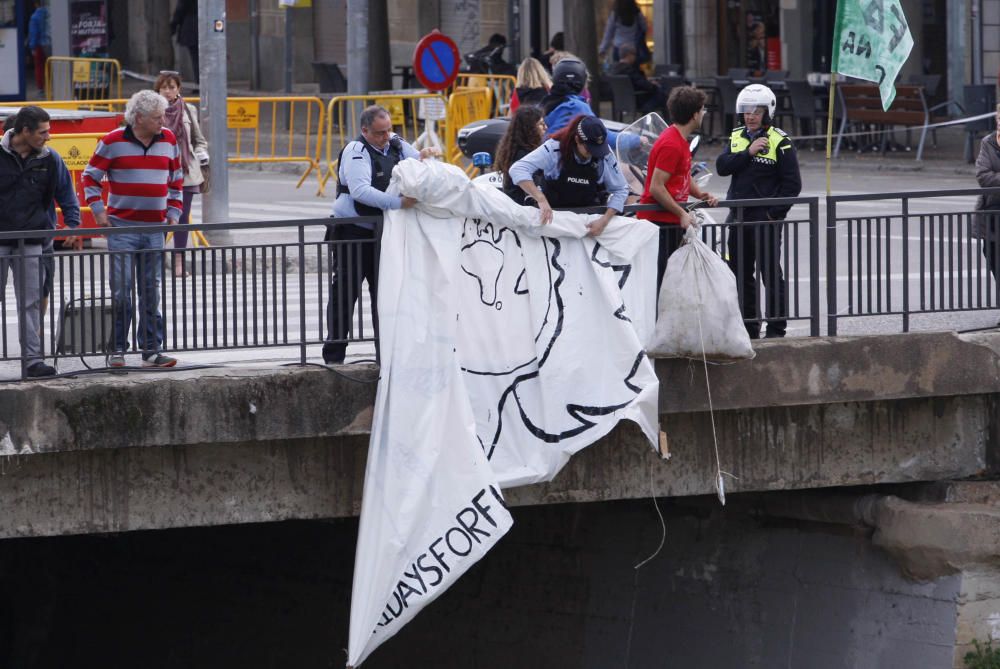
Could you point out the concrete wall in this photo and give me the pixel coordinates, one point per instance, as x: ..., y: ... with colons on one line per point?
x: 560, y: 590
x: 108, y: 454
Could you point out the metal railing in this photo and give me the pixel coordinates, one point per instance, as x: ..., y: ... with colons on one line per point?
x: 918, y: 258
x: 246, y: 296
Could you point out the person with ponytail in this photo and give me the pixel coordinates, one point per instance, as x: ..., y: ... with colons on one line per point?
x: 577, y: 169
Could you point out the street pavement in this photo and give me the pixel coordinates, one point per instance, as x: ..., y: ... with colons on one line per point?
x: 271, y: 195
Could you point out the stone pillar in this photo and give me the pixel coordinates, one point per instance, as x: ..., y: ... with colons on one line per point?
x: 701, y: 47
x: 959, y: 535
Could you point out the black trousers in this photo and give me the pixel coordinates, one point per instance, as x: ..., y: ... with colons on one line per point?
x: 756, y: 246
x: 991, y: 251
x: 671, y: 236
x: 351, y: 264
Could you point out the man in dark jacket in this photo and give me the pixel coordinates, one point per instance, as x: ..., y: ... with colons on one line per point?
x: 30, y: 174
x: 649, y: 97
x: 763, y: 164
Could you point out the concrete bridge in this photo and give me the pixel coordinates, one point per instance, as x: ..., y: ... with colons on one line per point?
x: 864, y: 533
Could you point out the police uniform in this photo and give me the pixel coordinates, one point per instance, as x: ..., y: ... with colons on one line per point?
x: 367, y: 171
x: 574, y: 182
x: 772, y: 173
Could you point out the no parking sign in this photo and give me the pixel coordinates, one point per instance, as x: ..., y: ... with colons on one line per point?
x: 436, y: 61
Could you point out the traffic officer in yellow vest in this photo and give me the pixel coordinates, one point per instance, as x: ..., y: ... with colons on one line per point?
x: 763, y: 164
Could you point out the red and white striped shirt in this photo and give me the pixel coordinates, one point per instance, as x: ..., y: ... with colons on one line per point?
x: 145, y: 181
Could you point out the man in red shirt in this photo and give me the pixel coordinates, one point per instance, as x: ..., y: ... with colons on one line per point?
x: 668, y: 175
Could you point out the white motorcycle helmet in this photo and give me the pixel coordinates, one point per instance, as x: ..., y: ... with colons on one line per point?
x: 757, y: 95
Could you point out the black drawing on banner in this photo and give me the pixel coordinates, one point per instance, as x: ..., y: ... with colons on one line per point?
x: 494, y: 257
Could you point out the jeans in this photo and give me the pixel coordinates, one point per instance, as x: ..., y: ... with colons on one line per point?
x: 145, y: 263
x: 28, y: 292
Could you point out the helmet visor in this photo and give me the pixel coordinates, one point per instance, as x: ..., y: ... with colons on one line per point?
x: 750, y: 108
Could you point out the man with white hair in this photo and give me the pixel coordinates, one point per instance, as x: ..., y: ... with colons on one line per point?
x: 142, y: 165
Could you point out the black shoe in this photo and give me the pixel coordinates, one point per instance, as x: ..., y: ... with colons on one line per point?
x: 334, y: 354
x: 40, y: 369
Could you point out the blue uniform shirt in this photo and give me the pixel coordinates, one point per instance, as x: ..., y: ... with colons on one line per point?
x: 546, y: 159
x: 355, y: 172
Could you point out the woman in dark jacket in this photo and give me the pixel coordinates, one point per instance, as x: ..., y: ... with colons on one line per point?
x: 986, y: 226
x: 525, y: 133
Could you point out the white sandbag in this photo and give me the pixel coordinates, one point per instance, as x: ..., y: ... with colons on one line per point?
x: 699, y: 309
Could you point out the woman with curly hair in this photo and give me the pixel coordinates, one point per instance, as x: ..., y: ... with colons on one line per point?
x: 525, y: 133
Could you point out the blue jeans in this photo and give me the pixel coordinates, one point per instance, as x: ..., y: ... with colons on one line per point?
x: 146, y: 263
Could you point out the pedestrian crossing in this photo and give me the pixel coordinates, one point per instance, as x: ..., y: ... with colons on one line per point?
x: 307, y: 207
x: 243, y: 326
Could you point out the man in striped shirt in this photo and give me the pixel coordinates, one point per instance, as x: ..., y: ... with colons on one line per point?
x: 142, y: 165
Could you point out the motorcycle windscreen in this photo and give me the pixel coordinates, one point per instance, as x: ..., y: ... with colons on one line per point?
x: 633, y: 162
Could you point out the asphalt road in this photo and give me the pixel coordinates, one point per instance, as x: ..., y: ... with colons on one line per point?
x: 264, y: 195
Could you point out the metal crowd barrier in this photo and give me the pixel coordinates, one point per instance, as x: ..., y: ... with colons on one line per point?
x: 265, y: 129
x: 414, y: 118
x: 920, y: 258
x: 464, y: 107
x: 82, y: 78
x: 272, y: 129
x: 501, y: 87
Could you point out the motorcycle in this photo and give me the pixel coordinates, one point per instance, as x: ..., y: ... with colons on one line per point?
x: 634, y: 162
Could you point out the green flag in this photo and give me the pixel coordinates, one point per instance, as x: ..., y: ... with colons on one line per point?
x: 871, y: 41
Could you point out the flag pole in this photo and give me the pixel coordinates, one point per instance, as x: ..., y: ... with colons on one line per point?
x: 829, y: 128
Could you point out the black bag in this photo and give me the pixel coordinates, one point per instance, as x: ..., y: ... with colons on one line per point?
x: 206, y: 184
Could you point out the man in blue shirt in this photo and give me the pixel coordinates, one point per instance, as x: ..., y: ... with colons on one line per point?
x: 363, y: 173
x: 39, y: 42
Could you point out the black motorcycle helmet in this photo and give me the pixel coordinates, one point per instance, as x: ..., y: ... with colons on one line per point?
x: 570, y: 74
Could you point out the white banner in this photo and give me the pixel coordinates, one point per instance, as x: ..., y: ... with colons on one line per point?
x: 505, y: 348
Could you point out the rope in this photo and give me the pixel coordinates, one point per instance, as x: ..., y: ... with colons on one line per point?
x: 929, y: 126
x: 663, y: 523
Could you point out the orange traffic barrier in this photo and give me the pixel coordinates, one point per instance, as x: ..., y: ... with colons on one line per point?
x: 78, y: 78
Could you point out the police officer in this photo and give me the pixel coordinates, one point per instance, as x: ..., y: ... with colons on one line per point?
x: 365, y: 167
x: 763, y: 164
x: 577, y: 169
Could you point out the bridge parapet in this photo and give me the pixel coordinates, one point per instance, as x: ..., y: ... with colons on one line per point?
x: 205, y: 447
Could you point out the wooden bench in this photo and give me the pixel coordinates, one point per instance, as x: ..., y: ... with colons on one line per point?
x: 861, y: 104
